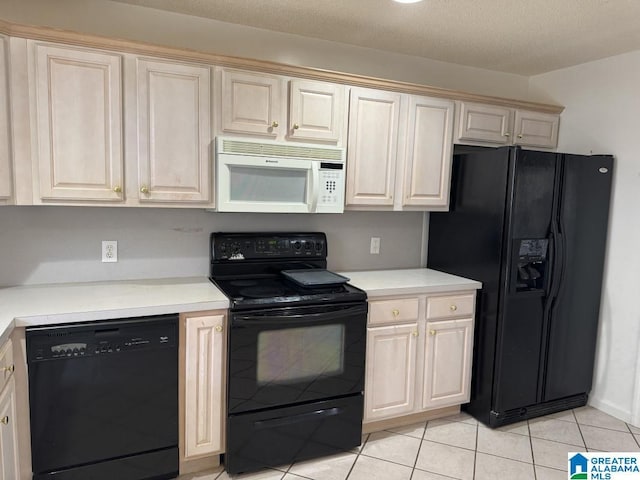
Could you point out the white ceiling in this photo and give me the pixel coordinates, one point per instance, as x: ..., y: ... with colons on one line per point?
x: 525, y: 37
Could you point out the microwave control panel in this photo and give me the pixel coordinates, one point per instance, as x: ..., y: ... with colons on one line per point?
x: 331, y: 188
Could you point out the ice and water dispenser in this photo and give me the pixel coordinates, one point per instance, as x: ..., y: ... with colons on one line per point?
x: 530, y: 264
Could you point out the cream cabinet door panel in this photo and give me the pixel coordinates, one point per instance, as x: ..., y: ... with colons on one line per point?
x: 428, y: 152
x: 174, y: 132
x: 8, y: 433
x: 316, y: 111
x: 252, y: 103
x: 374, y: 120
x: 79, y: 129
x: 391, y: 371
x: 204, y: 381
x: 447, y: 373
x: 535, y: 129
x: 484, y: 123
x: 5, y: 136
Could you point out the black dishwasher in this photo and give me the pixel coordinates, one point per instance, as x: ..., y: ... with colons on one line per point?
x: 104, y: 399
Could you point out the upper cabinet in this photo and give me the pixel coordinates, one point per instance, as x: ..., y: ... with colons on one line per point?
x: 77, y: 94
x: 5, y: 137
x: 256, y: 104
x: 372, y: 151
x: 174, y: 132
x: 399, y: 151
x: 427, y: 165
x: 495, y: 125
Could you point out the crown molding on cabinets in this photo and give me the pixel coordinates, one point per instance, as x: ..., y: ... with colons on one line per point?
x: 141, y: 48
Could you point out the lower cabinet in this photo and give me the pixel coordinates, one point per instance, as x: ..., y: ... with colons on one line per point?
x: 418, y: 359
x: 202, y: 358
x: 9, y: 460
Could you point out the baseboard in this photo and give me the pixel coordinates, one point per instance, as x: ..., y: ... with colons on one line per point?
x: 610, y: 409
x: 403, y: 421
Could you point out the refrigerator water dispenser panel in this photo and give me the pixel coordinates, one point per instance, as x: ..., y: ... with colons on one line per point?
x: 530, y: 259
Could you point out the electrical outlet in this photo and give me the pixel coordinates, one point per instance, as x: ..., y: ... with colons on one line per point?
x: 109, y: 251
x: 375, y: 246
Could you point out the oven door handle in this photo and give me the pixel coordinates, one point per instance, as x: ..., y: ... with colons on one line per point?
x: 300, y: 418
x: 283, y: 318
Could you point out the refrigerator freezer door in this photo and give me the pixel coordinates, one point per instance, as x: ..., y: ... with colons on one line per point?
x: 519, y: 343
x: 583, y: 219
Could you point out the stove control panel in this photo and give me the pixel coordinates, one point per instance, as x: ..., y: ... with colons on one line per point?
x: 237, y: 247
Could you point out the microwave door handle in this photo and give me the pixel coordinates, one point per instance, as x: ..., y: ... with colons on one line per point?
x: 315, y: 186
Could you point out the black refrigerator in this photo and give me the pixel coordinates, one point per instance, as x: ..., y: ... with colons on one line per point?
x: 532, y: 227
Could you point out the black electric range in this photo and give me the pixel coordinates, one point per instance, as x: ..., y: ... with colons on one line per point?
x: 296, y: 354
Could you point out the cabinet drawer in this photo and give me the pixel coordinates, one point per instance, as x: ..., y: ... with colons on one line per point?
x: 393, y: 311
x: 450, y: 306
x: 6, y: 363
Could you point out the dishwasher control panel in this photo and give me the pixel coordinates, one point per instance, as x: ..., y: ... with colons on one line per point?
x: 100, y: 338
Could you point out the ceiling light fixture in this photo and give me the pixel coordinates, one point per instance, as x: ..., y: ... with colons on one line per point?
x: 407, y: 1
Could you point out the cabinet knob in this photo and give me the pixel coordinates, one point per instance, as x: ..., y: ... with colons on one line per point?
x: 144, y: 189
x: 218, y: 328
x: 432, y: 332
x: 275, y: 124
x: 117, y: 189
x: 414, y: 334
x: 395, y: 312
x: 453, y: 308
x: 507, y: 134
x: 296, y: 126
x: 9, y: 369
x: 4, y: 420
x: 520, y: 136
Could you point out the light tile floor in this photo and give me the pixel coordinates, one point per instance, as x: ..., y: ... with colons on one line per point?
x: 461, y: 448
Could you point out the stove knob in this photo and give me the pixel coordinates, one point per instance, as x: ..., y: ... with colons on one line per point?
x: 297, y: 245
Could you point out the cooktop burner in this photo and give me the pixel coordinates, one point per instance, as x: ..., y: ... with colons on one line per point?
x: 247, y: 266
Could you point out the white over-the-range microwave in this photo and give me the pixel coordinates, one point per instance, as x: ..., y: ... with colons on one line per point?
x: 264, y: 176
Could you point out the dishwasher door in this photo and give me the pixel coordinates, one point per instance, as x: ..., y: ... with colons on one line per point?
x: 104, y: 399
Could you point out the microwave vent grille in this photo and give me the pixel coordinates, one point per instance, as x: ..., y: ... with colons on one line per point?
x: 281, y: 150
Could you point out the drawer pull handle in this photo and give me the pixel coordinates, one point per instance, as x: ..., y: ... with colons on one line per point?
x: 453, y: 308
x: 415, y: 334
x: 432, y: 332
x: 4, y: 420
x: 395, y: 312
x: 218, y: 328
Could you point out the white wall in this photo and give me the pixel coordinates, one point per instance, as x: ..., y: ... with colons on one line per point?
x: 602, y: 115
x: 119, y: 20
x: 63, y: 244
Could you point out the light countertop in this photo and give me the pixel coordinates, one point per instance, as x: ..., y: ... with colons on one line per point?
x: 79, y: 302
x: 412, y: 281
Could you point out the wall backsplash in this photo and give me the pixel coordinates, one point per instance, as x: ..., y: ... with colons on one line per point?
x: 63, y: 244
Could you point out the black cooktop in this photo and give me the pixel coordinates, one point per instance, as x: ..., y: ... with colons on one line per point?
x: 247, y: 266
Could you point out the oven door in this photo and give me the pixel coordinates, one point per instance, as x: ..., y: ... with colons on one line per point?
x: 294, y: 355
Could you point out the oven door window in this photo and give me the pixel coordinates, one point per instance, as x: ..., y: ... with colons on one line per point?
x: 293, y: 355
x: 282, y: 357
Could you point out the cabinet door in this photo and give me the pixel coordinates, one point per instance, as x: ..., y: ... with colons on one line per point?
x: 10, y: 466
x: 391, y: 371
x: 5, y: 145
x: 374, y: 122
x: 428, y: 152
x: 252, y: 103
x: 447, y: 373
x: 484, y: 123
x: 204, y: 384
x: 316, y: 111
x: 536, y: 129
x: 79, y: 130
x: 174, y: 132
